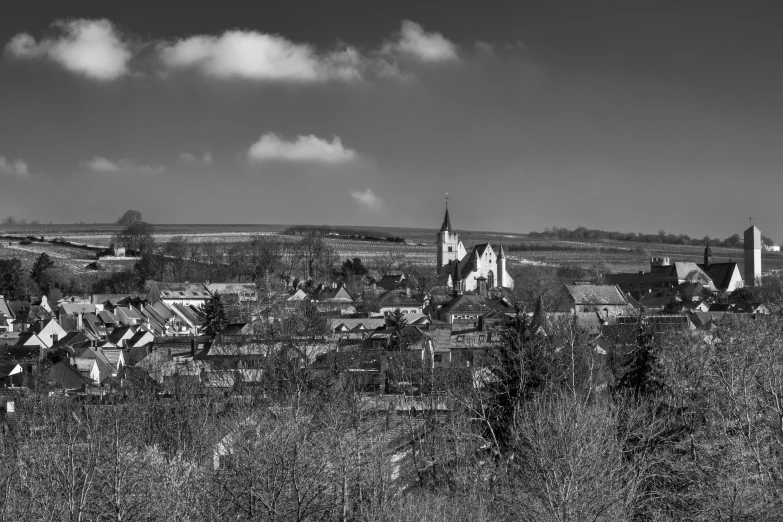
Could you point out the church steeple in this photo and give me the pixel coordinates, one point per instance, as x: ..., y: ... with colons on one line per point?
x: 446, y: 227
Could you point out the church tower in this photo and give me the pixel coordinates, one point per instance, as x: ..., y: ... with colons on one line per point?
x: 501, y: 261
x: 752, y: 255
x: 448, y: 244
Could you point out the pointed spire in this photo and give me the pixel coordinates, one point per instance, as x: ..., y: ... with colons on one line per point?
x: 502, y: 253
x: 446, y: 227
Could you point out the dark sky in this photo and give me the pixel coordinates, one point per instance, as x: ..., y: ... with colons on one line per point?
x: 617, y: 115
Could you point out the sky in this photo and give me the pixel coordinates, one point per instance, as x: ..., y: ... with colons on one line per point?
x: 632, y: 116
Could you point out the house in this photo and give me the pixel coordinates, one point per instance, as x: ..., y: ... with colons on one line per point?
x: 128, y: 315
x: 88, y: 368
x: 7, y: 373
x: 6, y: 316
x: 74, y: 309
x: 64, y: 374
x: 663, y: 274
x: 111, y: 301
x: 103, y: 365
x: 463, y: 309
x: 401, y: 300
x: 392, y: 282
x: 334, y: 297
x: 195, y: 294
x: 607, y: 300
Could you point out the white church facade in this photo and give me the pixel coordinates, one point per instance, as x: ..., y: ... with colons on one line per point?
x: 478, y: 271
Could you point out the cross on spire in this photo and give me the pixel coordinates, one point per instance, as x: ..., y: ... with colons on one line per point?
x: 447, y: 198
x: 750, y: 218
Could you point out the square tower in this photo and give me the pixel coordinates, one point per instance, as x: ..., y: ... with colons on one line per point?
x: 752, y: 255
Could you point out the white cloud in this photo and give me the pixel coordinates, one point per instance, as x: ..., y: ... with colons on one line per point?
x: 123, y: 166
x: 367, y: 198
x: 271, y: 147
x: 415, y: 43
x: 204, y: 159
x: 260, y: 56
x: 16, y: 168
x: 93, y: 48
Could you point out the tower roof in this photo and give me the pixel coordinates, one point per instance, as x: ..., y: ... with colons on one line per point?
x: 752, y: 238
x: 446, y: 226
x: 502, y: 253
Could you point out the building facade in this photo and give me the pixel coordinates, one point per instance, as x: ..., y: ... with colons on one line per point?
x: 478, y: 271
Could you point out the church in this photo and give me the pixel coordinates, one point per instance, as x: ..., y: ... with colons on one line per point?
x: 479, y: 271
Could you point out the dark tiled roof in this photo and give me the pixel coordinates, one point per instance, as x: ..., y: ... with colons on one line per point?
x: 720, y: 273
x: 446, y: 226
x: 397, y: 298
x: 466, y: 304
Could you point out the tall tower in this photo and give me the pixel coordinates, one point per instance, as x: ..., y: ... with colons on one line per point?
x: 448, y: 244
x: 501, y: 261
x: 707, y: 255
x: 752, y: 255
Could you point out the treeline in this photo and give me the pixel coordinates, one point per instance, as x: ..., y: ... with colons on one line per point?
x: 343, y: 233
x: 582, y: 233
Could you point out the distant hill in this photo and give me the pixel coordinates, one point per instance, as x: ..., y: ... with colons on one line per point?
x: 582, y: 233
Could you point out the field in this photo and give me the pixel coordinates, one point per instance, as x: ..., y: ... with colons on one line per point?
x: 605, y: 255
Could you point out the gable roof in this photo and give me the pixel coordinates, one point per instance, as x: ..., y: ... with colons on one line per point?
x: 338, y: 293
x: 397, y: 299
x: 596, y: 295
x: 481, y: 248
x: 189, y: 313
x: 466, y: 304
x: 391, y: 281
x: 114, y: 298
x: 76, y: 308
x: 720, y: 273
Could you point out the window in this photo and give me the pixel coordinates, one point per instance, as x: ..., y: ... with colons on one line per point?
x: 55, y: 338
x: 460, y: 338
x: 437, y: 358
x: 377, y: 344
x: 481, y: 339
x: 449, y: 249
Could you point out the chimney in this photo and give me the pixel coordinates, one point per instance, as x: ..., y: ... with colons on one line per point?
x: 79, y: 324
x: 408, y: 291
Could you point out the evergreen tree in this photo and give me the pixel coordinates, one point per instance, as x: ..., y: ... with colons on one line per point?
x: 11, y: 274
x: 399, y: 340
x: 41, y: 265
x: 641, y: 376
x: 216, y: 317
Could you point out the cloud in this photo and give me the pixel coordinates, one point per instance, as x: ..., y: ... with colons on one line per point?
x: 204, y: 159
x: 271, y: 147
x: 260, y: 56
x: 367, y: 198
x: 415, y: 43
x: 123, y: 166
x: 93, y: 48
x: 485, y: 47
x: 16, y: 168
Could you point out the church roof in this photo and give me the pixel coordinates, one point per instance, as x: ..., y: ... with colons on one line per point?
x: 446, y: 226
x: 720, y: 273
x: 480, y: 249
